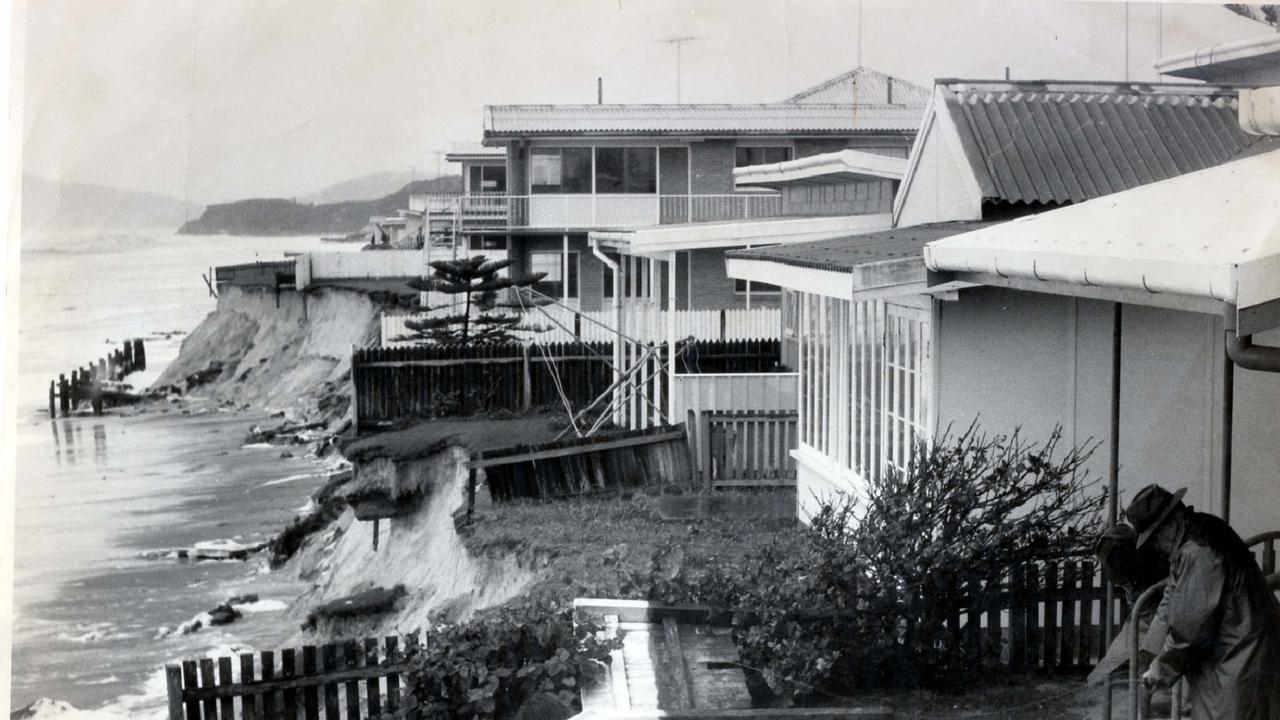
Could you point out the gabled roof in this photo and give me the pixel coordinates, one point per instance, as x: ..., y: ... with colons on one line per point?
x: 846, y: 253
x: 1066, y: 142
x: 863, y: 86
x: 503, y: 121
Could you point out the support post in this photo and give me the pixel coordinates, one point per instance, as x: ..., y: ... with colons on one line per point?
x: 53, y: 411
x: 1113, y: 484
x: 526, y: 381
x: 671, y: 337
x: 64, y: 395
x: 173, y: 686
x: 355, y: 394
x: 139, y: 355
x: 1228, y: 423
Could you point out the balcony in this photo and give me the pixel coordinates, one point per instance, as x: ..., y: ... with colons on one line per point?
x: 447, y: 212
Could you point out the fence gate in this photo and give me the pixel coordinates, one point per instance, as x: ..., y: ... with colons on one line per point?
x: 745, y: 449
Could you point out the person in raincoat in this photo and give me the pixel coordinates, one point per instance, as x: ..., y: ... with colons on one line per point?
x: 1223, y: 622
x: 1132, y: 570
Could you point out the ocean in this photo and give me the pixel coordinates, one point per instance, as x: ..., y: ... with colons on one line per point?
x: 100, y: 501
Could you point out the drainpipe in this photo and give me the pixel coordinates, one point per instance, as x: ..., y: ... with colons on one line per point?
x: 617, y: 321
x: 1239, y: 350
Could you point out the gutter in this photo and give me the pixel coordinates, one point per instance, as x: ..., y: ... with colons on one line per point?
x: 617, y: 317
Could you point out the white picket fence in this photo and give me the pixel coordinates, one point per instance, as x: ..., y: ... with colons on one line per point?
x: 554, y: 323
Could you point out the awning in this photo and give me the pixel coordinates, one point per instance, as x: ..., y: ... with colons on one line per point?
x: 1212, y: 235
x: 659, y: 239
x: 824, y: 169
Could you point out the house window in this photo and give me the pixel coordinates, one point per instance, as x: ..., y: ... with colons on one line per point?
x: 487, y: 242
x: 552, y: 264
x: 627, y: 170
x: 740, y: 287
x: 487, y: 179
x: 864, y: 381
x: 560, y: 170
x: 761, y: 155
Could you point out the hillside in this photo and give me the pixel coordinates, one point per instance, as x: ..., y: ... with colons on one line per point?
x: 53, y: 205
x: 366, y: 187
x: 270, y: 216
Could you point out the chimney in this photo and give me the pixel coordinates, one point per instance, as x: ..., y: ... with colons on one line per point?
x: 889, y: 90
x: 599, y: 91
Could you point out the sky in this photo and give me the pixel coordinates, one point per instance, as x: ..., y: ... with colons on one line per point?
x: 215, y: 101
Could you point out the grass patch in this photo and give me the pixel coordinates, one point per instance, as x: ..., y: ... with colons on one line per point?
x: 616, y: 546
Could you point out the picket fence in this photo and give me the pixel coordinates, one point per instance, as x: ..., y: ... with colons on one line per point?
x: 358, y: 679
x: 559, y: 324
x: 745, y: 449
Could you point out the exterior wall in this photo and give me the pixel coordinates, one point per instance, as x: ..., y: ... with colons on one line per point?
x: 711, y: 166
x: 853, y: 198
x: 937, y: 191
x: 1013, y: 359
x: 713, y: 289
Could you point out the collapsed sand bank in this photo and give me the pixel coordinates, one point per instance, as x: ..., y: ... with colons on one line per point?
x: 421, y: 551
x: 285, y: 352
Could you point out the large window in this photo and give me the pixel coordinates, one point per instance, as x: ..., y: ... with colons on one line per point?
x: 487, y: 179
x: 626, y: 170
x: 761, y: 155
x: 560, y: 170
x: 552, y: 263
x: 864, y: 381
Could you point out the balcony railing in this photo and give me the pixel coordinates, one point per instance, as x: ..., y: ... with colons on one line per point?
x: 468, y: 212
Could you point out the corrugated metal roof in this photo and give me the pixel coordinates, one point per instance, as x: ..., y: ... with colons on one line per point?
x: 1046, y: 142
x: 1214, y: 234
x: 846, y: 253
x: 864, y: 86
x: 761, y: 119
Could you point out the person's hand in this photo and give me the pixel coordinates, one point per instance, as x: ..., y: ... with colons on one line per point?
x: 1154, y: 677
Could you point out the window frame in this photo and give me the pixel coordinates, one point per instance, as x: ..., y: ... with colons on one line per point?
x: 574, y: 288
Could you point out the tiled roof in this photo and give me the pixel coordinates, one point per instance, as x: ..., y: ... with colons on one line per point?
x: 761, y: 119
x: 864, y: 86
x: 1048, y: 142
x: 846, y: 253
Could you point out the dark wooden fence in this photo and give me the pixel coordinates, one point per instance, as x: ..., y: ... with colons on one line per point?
x: 744, y: 449
x: 355, y: 679
x: 85, y: 384
x: 579, y: 466
x: 391, y: 384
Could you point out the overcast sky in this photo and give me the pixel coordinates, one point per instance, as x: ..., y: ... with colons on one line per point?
x: 215, y: 101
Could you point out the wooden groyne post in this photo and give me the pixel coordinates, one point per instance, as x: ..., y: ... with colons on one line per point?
x: 85, y: 383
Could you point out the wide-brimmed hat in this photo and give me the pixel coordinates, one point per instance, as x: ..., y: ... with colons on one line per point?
x: 1149, y: 509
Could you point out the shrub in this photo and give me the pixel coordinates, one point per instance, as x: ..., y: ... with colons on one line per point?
x: 863, y: 598
x: 489, y: 666
x: 290, y: 540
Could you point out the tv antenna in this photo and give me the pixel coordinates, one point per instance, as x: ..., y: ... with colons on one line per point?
x: 679, y: 43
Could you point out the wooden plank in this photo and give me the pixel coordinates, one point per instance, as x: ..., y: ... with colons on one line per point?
x: 310, y: 692
x: 373, y: 691
x: 190, y: 683
x: 249, y: 703
x: 173, y: 686
x: 1085, y: 651
x: 648, y: 439
x: 329, y: 659
x: 1051, y: 594
x: 1018, y: 619
x: 1069, y: 629
x: 676, y: 663
x: 270, y: 709
x: 226, y: 705
x: 207, y: 681
x: 1033, y: 617
x: 392, y: 656
x: 289, y: 670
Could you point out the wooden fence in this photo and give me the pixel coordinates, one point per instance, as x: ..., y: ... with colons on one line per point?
x: 728, y: 392
x: 557, y: 324
x: 390, y: 384
x: 744, y: 449
x: 579, y: 466
x: 86, y: 384
x: 362, y: 678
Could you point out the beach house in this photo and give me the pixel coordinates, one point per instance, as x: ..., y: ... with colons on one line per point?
x: 658, y: 180
x: 889, y: 356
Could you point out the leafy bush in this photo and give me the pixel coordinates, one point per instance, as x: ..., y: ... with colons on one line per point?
x: 863, y: 599
x: 283, y: 546
x: 490, y: 665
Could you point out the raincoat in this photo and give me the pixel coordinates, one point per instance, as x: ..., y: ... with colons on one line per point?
x: 1223, y: 625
